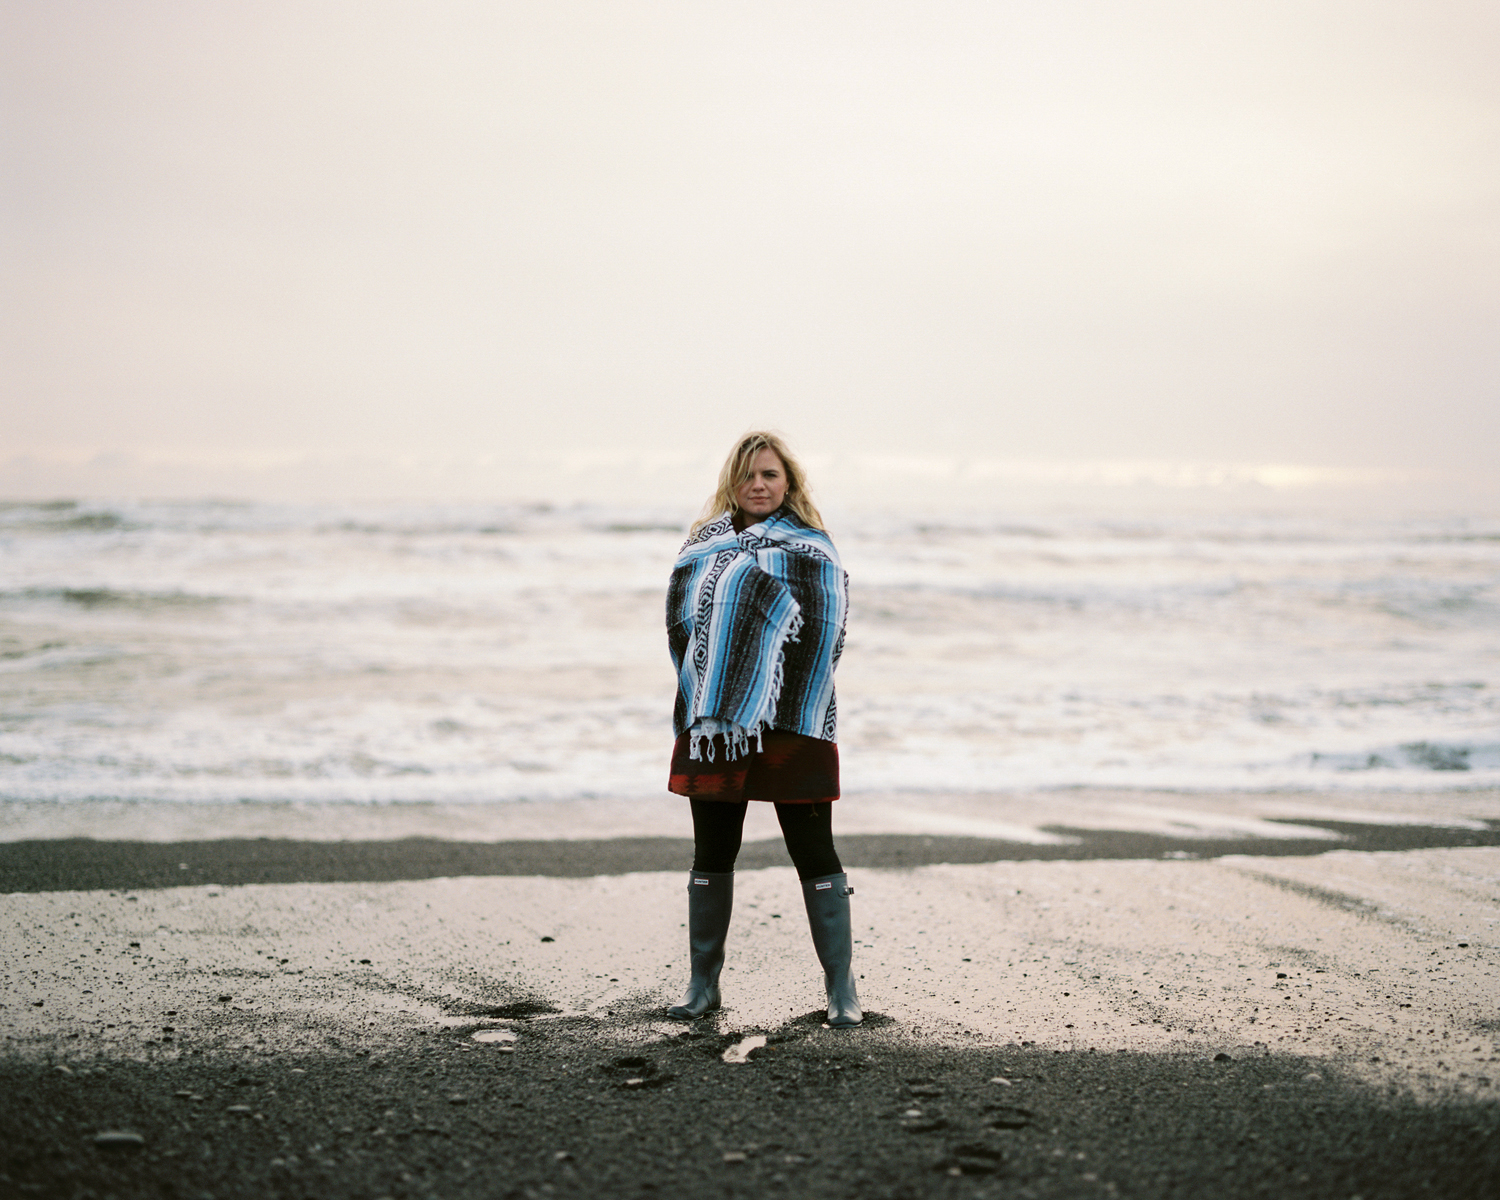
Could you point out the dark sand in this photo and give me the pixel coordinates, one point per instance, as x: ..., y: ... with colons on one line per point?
x: 584, y: 1108
x: 79, y: 864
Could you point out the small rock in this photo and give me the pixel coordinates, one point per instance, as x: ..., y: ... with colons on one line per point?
x: 119, y: 1139
x: 735, y: 1156
x: 1312, y: 1077
x: 549, y: 939
x: 1222, y: 1057
x: 1002, y: 1081
x: 37, y: 1003
x: 493, y: 1035
x: 562, y: 1156
x: 242, y: 1109
x: 974, y: 1160
x: 225, y: 999
x: 61, y: 1070
x: 634, y: 1083
x: 458, y: 1099
x: 183, y: 1095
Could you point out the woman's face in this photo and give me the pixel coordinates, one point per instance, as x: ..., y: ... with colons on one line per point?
x: 763, y: 492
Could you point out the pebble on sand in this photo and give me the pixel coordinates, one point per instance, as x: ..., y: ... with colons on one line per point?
x: 493, y: 1035
x: 119, y: 1139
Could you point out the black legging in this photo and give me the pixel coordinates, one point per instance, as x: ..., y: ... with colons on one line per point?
x: 718, y: 827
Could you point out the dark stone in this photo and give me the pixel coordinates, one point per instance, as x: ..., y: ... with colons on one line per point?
x: 972, y: 1159
x: 118, y: 1140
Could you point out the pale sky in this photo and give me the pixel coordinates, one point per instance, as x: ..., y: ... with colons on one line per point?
x: 249, y: 242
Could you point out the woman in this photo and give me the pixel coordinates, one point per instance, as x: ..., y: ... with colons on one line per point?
x: 755, y: 623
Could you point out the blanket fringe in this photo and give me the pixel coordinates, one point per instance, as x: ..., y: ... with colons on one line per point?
x: 737, y: 737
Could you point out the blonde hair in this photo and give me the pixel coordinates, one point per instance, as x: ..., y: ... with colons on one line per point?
x: 736, y: 470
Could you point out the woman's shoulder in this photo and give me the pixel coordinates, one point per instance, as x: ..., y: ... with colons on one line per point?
x: 703, y: 536
x: 808, y: 539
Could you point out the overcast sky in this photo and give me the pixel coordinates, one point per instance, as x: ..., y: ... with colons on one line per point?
x: 245, y: 237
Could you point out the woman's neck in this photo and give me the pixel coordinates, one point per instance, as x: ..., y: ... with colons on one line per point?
x: 743, y: 520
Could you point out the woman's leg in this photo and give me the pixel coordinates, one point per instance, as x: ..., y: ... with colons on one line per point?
x: 718, y: 828
x: 808, y: 829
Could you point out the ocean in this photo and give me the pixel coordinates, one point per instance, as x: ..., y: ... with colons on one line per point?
x: 212, y: 652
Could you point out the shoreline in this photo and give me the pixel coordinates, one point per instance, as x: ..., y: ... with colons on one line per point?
x: 86, y: 864
x: 1017, y: 816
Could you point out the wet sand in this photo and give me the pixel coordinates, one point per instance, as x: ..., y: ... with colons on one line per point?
x: 1212, y: 997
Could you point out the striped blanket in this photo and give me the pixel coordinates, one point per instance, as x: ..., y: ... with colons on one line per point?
x: 755, y: 624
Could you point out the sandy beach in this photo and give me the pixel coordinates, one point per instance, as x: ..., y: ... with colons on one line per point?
x: 1072, y: 993
x: 1066, y: 431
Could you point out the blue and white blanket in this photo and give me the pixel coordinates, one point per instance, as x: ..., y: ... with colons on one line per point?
x: 755, y: 624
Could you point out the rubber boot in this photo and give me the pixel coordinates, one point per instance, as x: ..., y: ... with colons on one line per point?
x: 710, y: 900
x: 827, y: 900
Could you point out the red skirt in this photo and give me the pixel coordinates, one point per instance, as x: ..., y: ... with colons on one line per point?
x: 791, y: 769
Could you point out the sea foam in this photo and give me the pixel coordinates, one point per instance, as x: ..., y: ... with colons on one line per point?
x: 212, y: 652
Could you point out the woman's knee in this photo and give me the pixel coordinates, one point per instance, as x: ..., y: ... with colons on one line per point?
x: 808, y: 830
x: 718, y: 828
